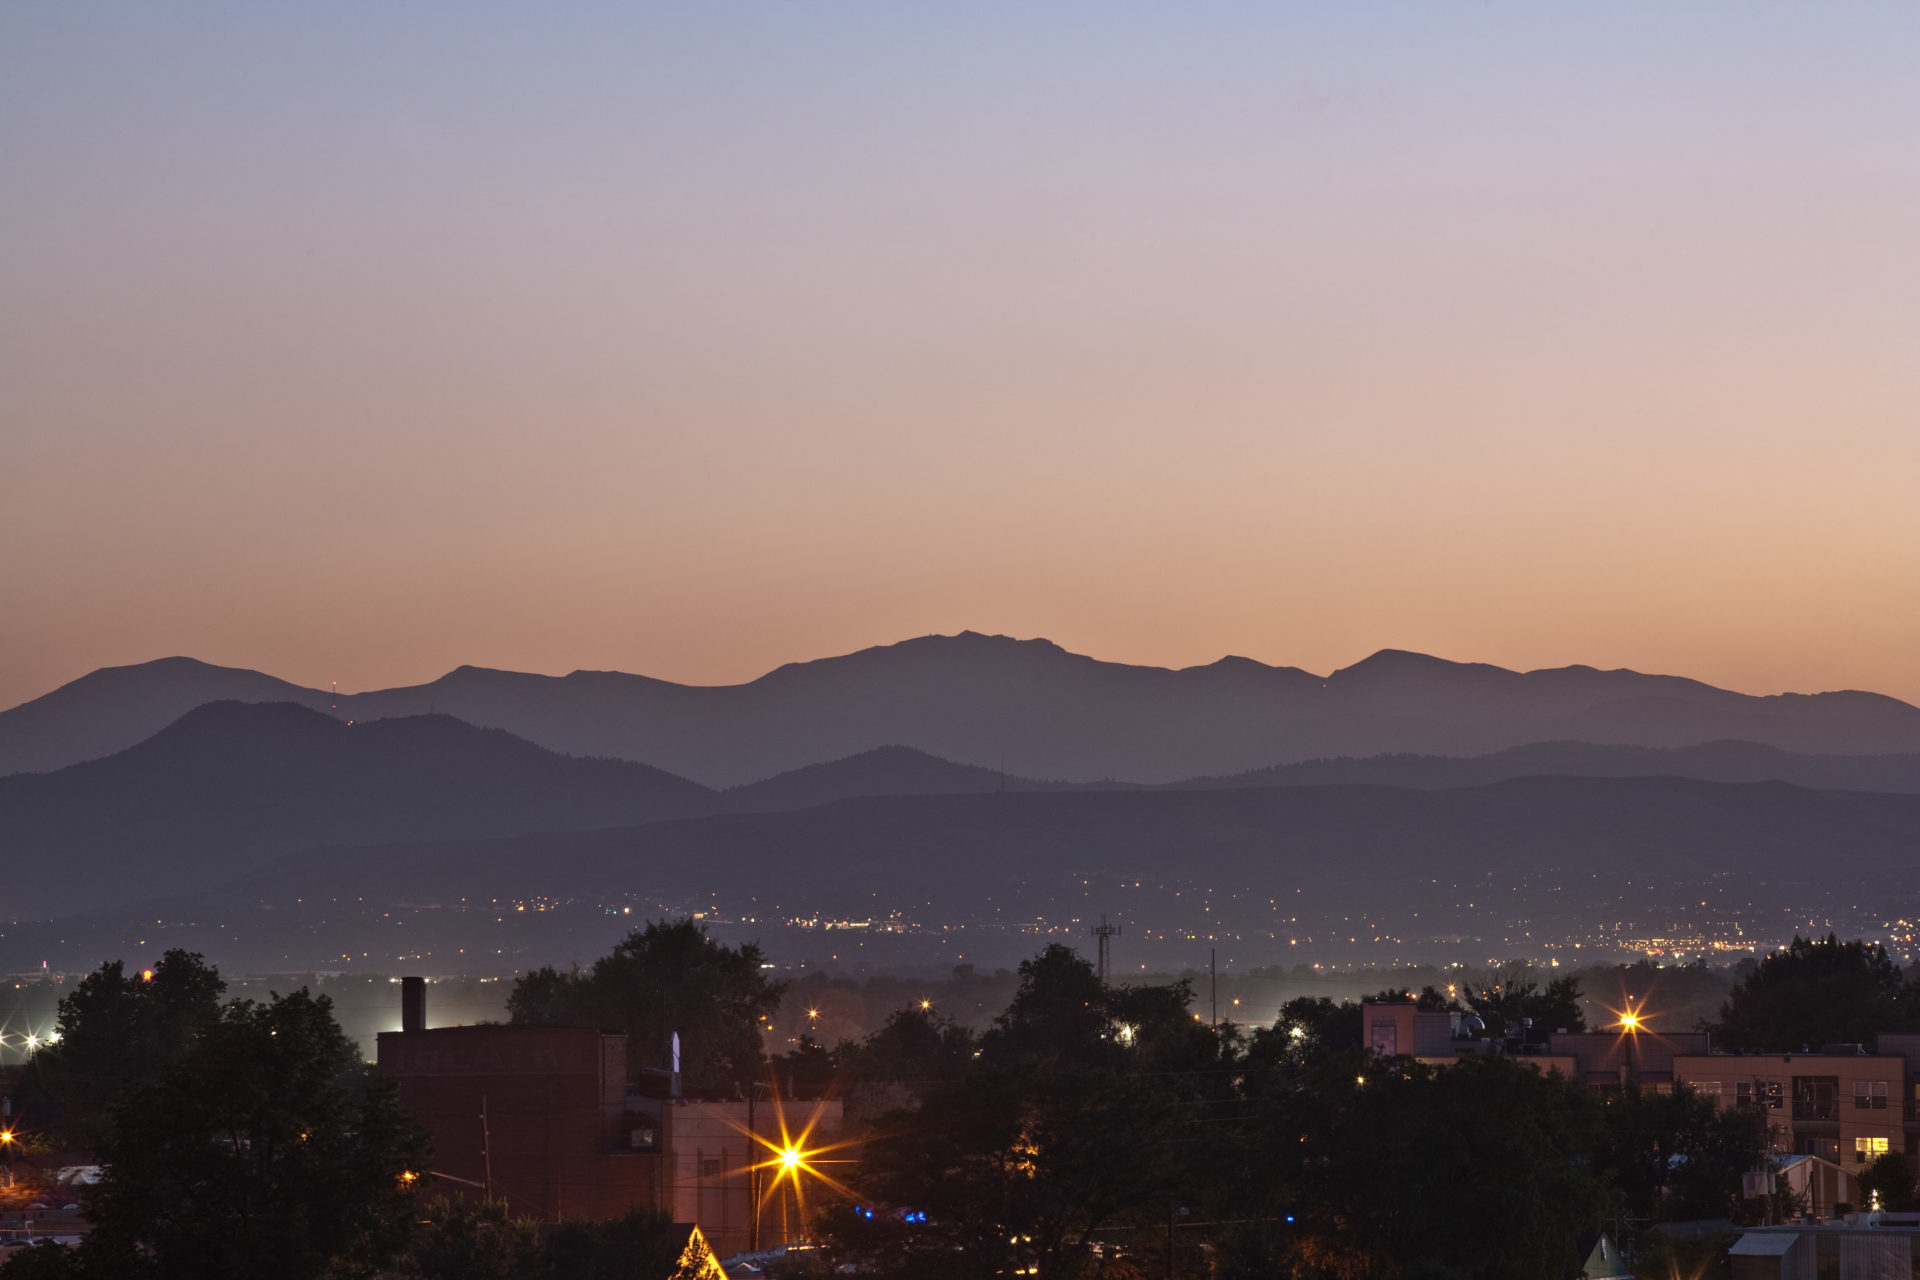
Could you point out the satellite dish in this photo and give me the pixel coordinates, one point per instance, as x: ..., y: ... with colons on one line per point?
x: 1471, y: 1026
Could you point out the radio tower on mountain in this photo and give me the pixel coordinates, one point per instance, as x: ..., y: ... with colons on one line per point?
x: 1104, y: 932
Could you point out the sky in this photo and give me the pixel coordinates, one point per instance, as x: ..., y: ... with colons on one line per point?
x: 354, y: 342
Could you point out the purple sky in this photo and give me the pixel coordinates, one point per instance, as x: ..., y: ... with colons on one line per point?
x: 357, y: 341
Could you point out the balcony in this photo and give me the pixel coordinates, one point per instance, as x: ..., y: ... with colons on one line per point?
x: 1816, y: 1109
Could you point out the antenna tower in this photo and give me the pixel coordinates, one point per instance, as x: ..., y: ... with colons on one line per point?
x: 1104, y: 931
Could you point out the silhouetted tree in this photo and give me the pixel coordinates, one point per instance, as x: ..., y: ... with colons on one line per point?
x: 1428, y: 999
x: 809, y: 1070
x: 1059, y: 1011
x: 117, y: 1029
x: 641, y: 1245
x: 1474, y: 1169
x: 1072, y: 1123
x: 1675, y: 1156
x: 1891, y: 1176
x: 454, y: 1241
x: 1309, y: 1030
x: 1513, y: 995
x: 665, y: 978
x: 268, y: 1148
x: 1815, y: 992
x: 915, y: 1047
x: 458, y: 1241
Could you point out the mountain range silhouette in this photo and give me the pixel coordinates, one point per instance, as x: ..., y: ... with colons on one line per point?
x: 1026, y: 708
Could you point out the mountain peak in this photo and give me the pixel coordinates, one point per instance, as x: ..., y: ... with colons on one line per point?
x: 1408, y: 663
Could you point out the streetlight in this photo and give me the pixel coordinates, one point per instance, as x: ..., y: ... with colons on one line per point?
x: 794, y: 1162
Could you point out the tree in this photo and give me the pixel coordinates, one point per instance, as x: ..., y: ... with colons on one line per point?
x: 117, y: 1029
x: 642, y: 1245
x: 1513, y: 995
x: 1427, y: 1000
x: 1891, y: 1178
x: 666, y: 978
x: 266, y: 1149
x: 458, y: 1241
x: 1478, y: 1168
x: 1071, y: 1125
x: 1309, y: 1030
x: 915, y: 1047
x: 487, y: 1242
x: 1675, y: 1156
x: 810, y: 1070
x: 1060, y: 1011
x: 1815, y: 992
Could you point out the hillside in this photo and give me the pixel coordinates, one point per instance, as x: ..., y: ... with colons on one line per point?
x: 114, y: 708
x: 231, y: 785
x: 966, y: 857
x: 1707, y: 762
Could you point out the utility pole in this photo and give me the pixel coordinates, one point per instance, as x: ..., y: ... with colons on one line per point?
x: 753, y: 1171
x: 1104, y: 931
x: 486, y: 1146
x: 1213, y: 982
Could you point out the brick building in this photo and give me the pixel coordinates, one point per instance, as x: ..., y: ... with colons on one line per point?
x: 542, y: 1117
x: 536, y: 1116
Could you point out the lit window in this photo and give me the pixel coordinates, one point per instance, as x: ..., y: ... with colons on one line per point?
x: 1865, y: 1149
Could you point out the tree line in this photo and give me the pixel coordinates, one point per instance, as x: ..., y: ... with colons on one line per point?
x: 1092, y: 1130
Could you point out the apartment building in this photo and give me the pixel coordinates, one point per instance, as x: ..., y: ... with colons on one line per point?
x: 1842, y: 1104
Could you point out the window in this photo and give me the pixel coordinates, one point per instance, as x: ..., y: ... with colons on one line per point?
x: 708, y: 1168
x: 1706, y: 1088
x: 1865, y: 1149
x: 1386, y: 1040
x: 1870, y: 1095
x: 1769, y: 1093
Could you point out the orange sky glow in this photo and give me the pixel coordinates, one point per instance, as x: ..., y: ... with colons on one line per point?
x: 358, y: 342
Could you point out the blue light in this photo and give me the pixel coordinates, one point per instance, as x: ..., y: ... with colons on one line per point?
x: 1289, y: 1217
